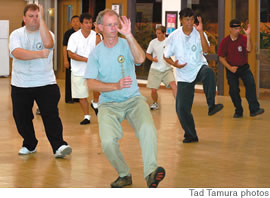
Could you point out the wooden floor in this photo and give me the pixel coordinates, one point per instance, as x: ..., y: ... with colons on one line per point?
x: 231, y: 152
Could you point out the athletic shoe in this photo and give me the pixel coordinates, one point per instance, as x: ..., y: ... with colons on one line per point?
x: 154, y: 106
x: 122, y: 181
x: 85, y: 121
x: 155, y: 177
x: 62, y: 151
x: 25, y: 151
x: 93, y: 104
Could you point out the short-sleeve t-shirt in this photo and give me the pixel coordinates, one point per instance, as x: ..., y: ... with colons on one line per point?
x: 235, y: 52
x: 186, y: 49
x: 156, y: 49
x: 105, y: 64
x: 82, y: 46
x: 35, y: 72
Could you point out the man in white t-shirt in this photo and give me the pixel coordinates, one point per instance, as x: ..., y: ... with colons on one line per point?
x: 80, y: 45
x: 160, y: 71
x: 188, y: 44
x: 33, y: 79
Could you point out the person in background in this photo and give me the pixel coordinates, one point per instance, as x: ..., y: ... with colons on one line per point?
x: 80, y: 45
x: 75, y: 26
x: 111, y: 71
x: 189, y: 44
x: 160, y: 70
x: 233, y: 54
x: 33, y: 79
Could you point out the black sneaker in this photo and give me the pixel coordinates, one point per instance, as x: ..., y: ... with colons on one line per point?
x: 238, y: 115
x: 85, y: 121
x: 155, y: 177
x: 120, y: 182
x: 258, y: 112
x: 95, y: 109
x: 190, y: 140
x: 215, y: 109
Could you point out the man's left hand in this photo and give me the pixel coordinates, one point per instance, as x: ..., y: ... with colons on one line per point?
x: 200, y: 26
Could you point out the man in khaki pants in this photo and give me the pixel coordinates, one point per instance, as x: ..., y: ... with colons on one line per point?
x: 110, y: 70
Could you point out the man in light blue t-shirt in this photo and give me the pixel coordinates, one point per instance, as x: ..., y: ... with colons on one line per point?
x: 110, y: 70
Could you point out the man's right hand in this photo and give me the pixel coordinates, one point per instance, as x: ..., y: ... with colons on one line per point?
x: 179, y: 65
x: 66, y: 64
x: 44, y: 53
x: 233, y: 69
x: 124, y: 83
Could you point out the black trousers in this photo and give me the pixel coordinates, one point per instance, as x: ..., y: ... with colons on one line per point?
x: 246, y: 75
x: 68, y: 96
x: 185, y: 97
x: 47, y: 98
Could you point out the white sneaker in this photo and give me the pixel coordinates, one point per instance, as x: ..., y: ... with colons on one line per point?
x: 62, y: 151
x: 25, y: 151
x: 154, y: 106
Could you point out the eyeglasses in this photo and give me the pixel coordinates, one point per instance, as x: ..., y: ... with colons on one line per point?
x: 110, y: 25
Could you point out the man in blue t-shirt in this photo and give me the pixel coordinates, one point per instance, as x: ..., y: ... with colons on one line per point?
x: 110, y: 70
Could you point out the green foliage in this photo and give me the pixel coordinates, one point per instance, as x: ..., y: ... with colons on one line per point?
x: 265, y: 38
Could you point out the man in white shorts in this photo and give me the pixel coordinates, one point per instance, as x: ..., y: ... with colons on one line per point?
x: 160, y: 71
x: 80, y: 45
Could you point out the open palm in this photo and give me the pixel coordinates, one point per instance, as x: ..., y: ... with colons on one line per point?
x: 125, y: 28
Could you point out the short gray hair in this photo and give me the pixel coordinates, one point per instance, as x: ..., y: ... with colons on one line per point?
x: 100, y: 17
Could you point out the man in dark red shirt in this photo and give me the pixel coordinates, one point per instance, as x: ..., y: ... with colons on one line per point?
x: 233, y: 54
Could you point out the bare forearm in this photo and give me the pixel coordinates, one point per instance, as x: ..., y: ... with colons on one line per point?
x: 205, y: 46
x: 169, y: 61
x: 77, y: 57
x: 136, y: 50
x: 224, y: 62
x: 46, y: 36
x: 65, y: 53
x: 23, y: 54
x: 99, y: 86
x: 149, y: 57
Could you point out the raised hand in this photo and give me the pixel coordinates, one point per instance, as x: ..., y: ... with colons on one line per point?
x: 248, y: 30
x: 200, y: 26
x: 125, y: 28
x: 41, y: 11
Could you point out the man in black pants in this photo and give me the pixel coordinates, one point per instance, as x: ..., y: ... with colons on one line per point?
x: 187, y: 44
x: 233, y: 54
x: 75, y: 26
x: 33, y: 79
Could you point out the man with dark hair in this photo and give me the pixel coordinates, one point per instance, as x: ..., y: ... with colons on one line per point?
x: 33, y: 79
x: 110, y: 70
x: 233, y: 54
x: 80, y: 45
x: 189, y: 44
x: 160, y: 71
x: 75, y: 26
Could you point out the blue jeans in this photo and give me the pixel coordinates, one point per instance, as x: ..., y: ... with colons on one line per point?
x: 246, y: 75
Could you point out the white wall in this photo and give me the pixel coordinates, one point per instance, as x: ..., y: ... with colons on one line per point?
x: 170, y: 5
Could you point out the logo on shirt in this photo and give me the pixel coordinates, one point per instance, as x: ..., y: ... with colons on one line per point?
x: 39, y: 46
x: 193, y: 48
x: 240, y: 49
x: 121, y: 59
